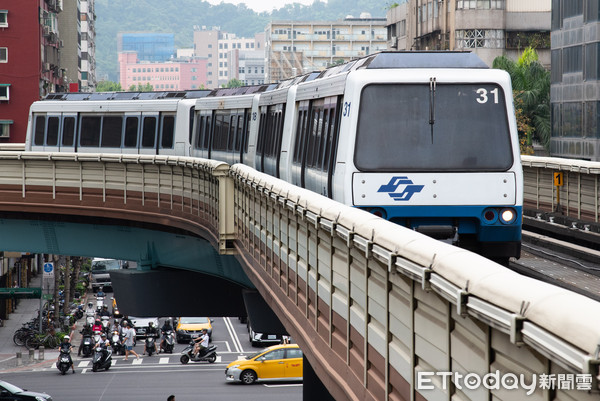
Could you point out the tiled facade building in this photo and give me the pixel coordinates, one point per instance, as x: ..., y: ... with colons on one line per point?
x: 298, y: 47
x: 490, y: 28
x: 185, y: 74
x: 30, y: 61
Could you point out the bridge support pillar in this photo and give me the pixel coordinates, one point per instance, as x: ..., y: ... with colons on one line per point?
x: 312, y: 387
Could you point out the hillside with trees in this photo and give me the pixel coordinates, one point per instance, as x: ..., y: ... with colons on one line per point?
x: 180, y: 17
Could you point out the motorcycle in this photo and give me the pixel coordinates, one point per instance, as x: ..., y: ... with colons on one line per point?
x: 150, y: 345
x: 64, y: 360
x: 102, y: 358
x: 209, y: 354
x: 78, y: 312
x: 99, y: 302
x: 116, y: 343
x: 105, y: 323
x: 90, y: 314
x: 97, y: 336
x: 87, y: 346
x: 168, y: 342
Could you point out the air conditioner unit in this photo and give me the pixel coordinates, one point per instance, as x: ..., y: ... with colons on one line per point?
x: 46, y: 66
x: 394, y: 42
x: 59, y: 5
x: 62, y: 44
x: 46, y: 30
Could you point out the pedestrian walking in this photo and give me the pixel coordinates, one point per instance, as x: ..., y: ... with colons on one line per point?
x: 128, y: 341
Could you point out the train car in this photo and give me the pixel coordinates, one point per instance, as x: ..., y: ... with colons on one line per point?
x: 113, y: 122
x: 427, y: 140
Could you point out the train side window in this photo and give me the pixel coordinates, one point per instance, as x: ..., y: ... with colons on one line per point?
x: 112, y: 130
x: 168, y: 129
x: 90, y: 131
x: 299, y: 126
x: 149, y: 132
x: 131, y: 132
x: 40, y: 127
x: 68, y: 131
x: 52, y: 131
x: 207, y: 130
x: 323, y: 138
x: 247, y: 130
x: 232, y: 132
x: 191, y: 122
x: 199, y: 132
x: 240, y: 133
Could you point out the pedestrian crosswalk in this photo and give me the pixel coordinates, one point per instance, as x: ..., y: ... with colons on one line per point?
x: 120, y: 361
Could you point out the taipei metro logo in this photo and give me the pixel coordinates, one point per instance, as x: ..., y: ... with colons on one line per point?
x: 405, y: 195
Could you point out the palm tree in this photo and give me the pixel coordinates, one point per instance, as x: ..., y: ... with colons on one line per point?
x: 531, y: 91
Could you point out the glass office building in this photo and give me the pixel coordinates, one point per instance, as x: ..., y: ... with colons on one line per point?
x: 153, y: 47
x: 575, y: 91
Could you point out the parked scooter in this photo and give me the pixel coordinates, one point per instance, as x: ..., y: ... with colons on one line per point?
x: 102, y: 358
x: 209, y: 354
x: 116, y: 343
x: 168, y: 342
x: 99, y: 300
x: 64, y: 359
x: 87, y: 346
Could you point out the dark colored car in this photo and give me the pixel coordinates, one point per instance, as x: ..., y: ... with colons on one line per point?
x: 11, y: 392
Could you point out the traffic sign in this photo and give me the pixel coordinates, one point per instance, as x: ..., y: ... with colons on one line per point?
x: 48, y: 269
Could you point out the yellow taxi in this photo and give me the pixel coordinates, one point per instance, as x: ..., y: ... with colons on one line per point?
x: 188, y: 328
x: 279, y: 362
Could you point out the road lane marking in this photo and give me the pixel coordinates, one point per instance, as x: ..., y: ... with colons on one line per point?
x: 236, y: 340
x: 83, y: 364
x: 137, y: 361
x: 164, y: 360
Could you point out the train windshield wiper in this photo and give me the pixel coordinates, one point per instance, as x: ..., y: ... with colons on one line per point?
x: 432, y: 85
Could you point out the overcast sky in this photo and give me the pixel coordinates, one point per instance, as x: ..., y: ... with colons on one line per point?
x: 262, y: 5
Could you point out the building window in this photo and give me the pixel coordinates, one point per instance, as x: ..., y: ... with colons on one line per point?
x: 519, y: 40
x: 480, y: 4
x: 5, y: 128
x: 480, y: 38
x: 572, y: 59
x: 84, y: 75
x: 220, y: 45
x: 4, y: 91
x: 3, y: 54
x: 3, y: 18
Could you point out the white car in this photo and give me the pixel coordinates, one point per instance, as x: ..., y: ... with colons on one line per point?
x: 140, y: 324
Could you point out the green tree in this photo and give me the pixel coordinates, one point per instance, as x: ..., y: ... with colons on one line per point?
x: 531, y: 91
x: 234, y: 83
x: 141, y: 88
x: 108, y: 86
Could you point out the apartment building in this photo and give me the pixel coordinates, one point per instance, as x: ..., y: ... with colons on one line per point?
x: 247, y: 66
x: 77, y: 44
x: 297, y: 47
x: 489, y: 28
x: 30, y: 60
x: 175, y: 74
x: 222, y: 49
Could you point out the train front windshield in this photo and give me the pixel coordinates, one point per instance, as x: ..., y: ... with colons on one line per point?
x: 428, y: 127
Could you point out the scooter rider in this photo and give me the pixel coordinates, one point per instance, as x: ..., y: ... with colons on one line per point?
x: 164, y: 330
x: 67, y: 344
x: 103, y: 344
x: 151, y: 332
x: 97, y: 326
x: 104, y: 311
x: 201, y: 342
x: 85, y: 332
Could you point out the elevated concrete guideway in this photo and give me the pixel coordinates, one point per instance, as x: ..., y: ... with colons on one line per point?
x: 377, y: 309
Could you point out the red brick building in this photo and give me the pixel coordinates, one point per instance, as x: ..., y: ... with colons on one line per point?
x: 29, y: 61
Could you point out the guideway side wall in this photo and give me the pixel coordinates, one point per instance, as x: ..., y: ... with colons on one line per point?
x: 381, y: 312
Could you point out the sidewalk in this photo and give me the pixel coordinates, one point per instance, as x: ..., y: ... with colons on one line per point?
x: 26, y: 311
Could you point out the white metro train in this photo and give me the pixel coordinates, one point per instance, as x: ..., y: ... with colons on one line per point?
x: 427, y: 140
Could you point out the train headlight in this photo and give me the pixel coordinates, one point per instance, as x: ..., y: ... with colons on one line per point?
x: 508, y: 216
